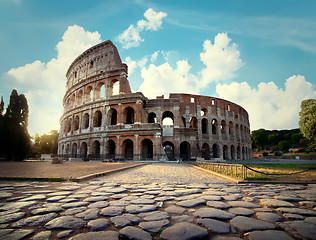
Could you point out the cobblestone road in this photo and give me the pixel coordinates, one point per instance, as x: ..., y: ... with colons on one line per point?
x: 158, y: 201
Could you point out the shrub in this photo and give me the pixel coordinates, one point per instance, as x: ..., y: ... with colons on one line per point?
x: 278, y: 153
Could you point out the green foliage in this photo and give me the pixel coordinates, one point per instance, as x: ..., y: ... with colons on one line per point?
x: 46, y: 143
x: 284, y: 145
x: 307, y: 121
x: 259, y: 138
x: 278, y: 153
x: 14, y: 136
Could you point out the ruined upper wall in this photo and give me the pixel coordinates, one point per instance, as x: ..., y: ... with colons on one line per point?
x: 99, y: 59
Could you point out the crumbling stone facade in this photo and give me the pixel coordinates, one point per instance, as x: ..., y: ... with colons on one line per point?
x: 99, y: 123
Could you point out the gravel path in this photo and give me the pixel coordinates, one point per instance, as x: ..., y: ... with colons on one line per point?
x: 157, y: 201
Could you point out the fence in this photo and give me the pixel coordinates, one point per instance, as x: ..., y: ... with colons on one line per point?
x: 233, y: 170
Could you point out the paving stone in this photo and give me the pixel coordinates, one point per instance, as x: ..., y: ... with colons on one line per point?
x: 242, y: 204
x: 218, y: 204
x: 305, y: 229
x: 211, y: 198
x: 301, y: 211
x: 102, y: 235
x: 64, y: 234
x: 119, y: 203
x: 263, y: 209
x: 175, y: 209
x: 59, y: 193
x: 182, y: 218
x: 182, y: 192
x: 69, y: 188
x: 45, y: 210
x: 34, y: 220
x: 11, y: 217
x: 154, y: 216
x: 191, y: 203
x: 276, y: 203
x: 65, y: 222
x: 112, y: 211
x: 164, y: 198
x: 140, y: 208
x: 143, y: 201
x: 154, y: 226
x: 225, y: 238
x: 117, y: 190
x: 215, y: 225
x: 311, y: 220
x: 135, y: 233
x: 241, y: 211
x: 197, y: 185
x: 231, y: 197
x: 5, y: 194
x: 310, y: 204
x: 73, y: 211
x: 101, y: 204
x: 248, y: 199
x: 292, y: 216
x: 269, y: 217
x: 215, y: 193
x: 18, y: 234
x: 89, y: 214
x: 17, y: 205
x: 4, y: 232
x: 268, y: 234
x: 74, y: 204
x: 98, y: 224
x: 288, y: 198
x: 246, y: 224
x: 44, y: 235
x: 55, y: 198
x: 37, y: 197
x: 125, y: 220
x: 183, y: 231
x: 213, y: 213
x: 96, y: 199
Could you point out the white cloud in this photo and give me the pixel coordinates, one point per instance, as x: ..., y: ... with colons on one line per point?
x: 268, y: 106
x: 132, y: 65
x: 221, y: 59
x: 154, y: 56
x: 45, y: 82
x: 131, y: 36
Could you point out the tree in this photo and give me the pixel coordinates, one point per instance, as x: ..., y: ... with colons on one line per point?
x: 14, y: 135
x: 259, y: 138
x: 307, y: 121
x: 46, y: 143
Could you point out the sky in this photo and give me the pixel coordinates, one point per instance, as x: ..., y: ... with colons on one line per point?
x: 258, y: 54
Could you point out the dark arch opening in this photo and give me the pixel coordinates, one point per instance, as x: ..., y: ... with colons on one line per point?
x: 96, y: 149
x: 85, y: 121
x: 83, y: 150
x: 169, y: 149
x: 97, y: 119
x: 185, y: 152
x: 74, y: 150
x: 215, y: 151
x: 128, y: 147
x: 232, y: 152
x: 206, y: 154
x: 129, y: 114
x: 204, y: 126
x: 225, y: 152
x: 147, y: 149
x: 152, y: 118
x: 110, y: 148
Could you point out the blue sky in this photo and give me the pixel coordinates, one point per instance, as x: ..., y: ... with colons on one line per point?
x: 259, y: 54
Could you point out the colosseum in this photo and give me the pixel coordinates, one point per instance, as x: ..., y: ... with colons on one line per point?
x: 99, y: 122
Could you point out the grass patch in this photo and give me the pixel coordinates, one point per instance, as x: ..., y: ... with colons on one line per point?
x: 32, y: 179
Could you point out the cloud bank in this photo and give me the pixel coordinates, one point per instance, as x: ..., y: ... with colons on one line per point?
x: 131, y: 36
x: 44, y: 83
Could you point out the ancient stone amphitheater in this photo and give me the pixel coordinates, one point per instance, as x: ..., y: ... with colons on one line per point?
x: 101, y: 123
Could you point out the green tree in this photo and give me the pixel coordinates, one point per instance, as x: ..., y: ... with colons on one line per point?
x: 307, y: 121
x: 46, y: 143
x: 259, y: 138
x: 284, y: 145
x: 14, y: 133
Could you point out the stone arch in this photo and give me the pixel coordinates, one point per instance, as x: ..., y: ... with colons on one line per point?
x: 214, y: 126
x: 231, y: 128
x: 114, y: 87
x: 112, y: 116
x: 128, y: 148
x: 185, y: 151
x: 74, y: 150
x: 204, y: 126
x: 204, y: 112
x: 76, y: 123
x: 167, y: 118
x: 79, y: 97
x: 85, y: 121
x: 83, y: 150
x: 193, y: 122
x: 169, y: 149
x: 73, y: 100
x: 100, y: 90
x: 69, y: 125
x: 152, y: 118
x: 110, y: 149
x: 225, y: 152
x: 232, y: 152
x: 97, y: 119
x: 238, y: 152
x: 223, y: 127
x: 147, y: 149
x: 215, y: 149
x: 96, y: 149
x: 206, y: 154
x: 129, y: 115
x: 67, y: 150
x: 243, y: 153
x: 89, y: 93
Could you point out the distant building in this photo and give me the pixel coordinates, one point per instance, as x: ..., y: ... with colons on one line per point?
x: 98, y: 123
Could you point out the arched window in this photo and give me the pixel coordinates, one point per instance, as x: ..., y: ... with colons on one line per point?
x: 96, y: 149
x: 110, y: 148
x: 214, y: 126
x: 203, y: 112
x: 193, y: 122
x: 206, y: 151
x: 169, y: 149
x: 83, y: 150
x: 147, y: 149
x: 89, y: 93
x: 167, y: 118
x: 215, y: 151
x: 232, y: 152
x: 225, y: 152
x: 230, y: 129
x: 223, y: 127
x: 152, y: 118
x: 76, y: 123
x: 74, y: 150
x: 129, y: 115
x: 79, y: 97
x: 185, y: 151
x: 85, y: 121
x: 128, y: 147
x: 97, y: 119
x: 112, y: 116
x: 100, y: 90
x: 204, y: 126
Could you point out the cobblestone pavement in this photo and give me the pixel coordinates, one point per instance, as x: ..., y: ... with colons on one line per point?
x: 157, y: 201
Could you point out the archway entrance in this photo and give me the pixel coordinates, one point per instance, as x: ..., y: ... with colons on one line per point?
x: 215, y: 151
x: 110, y: 149
x: 169, y: 150
x: 185, y: 152
x: 206, y: 154
x: 147, y: 149
x: 128, y: 147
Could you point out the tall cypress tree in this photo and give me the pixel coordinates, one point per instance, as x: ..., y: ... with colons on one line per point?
x: 15, y: 135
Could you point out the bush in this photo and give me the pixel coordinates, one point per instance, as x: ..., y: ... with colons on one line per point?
x: 278, y: 153
x: 264, y: 154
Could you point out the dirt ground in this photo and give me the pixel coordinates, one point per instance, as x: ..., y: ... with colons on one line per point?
x: 48, y: 170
